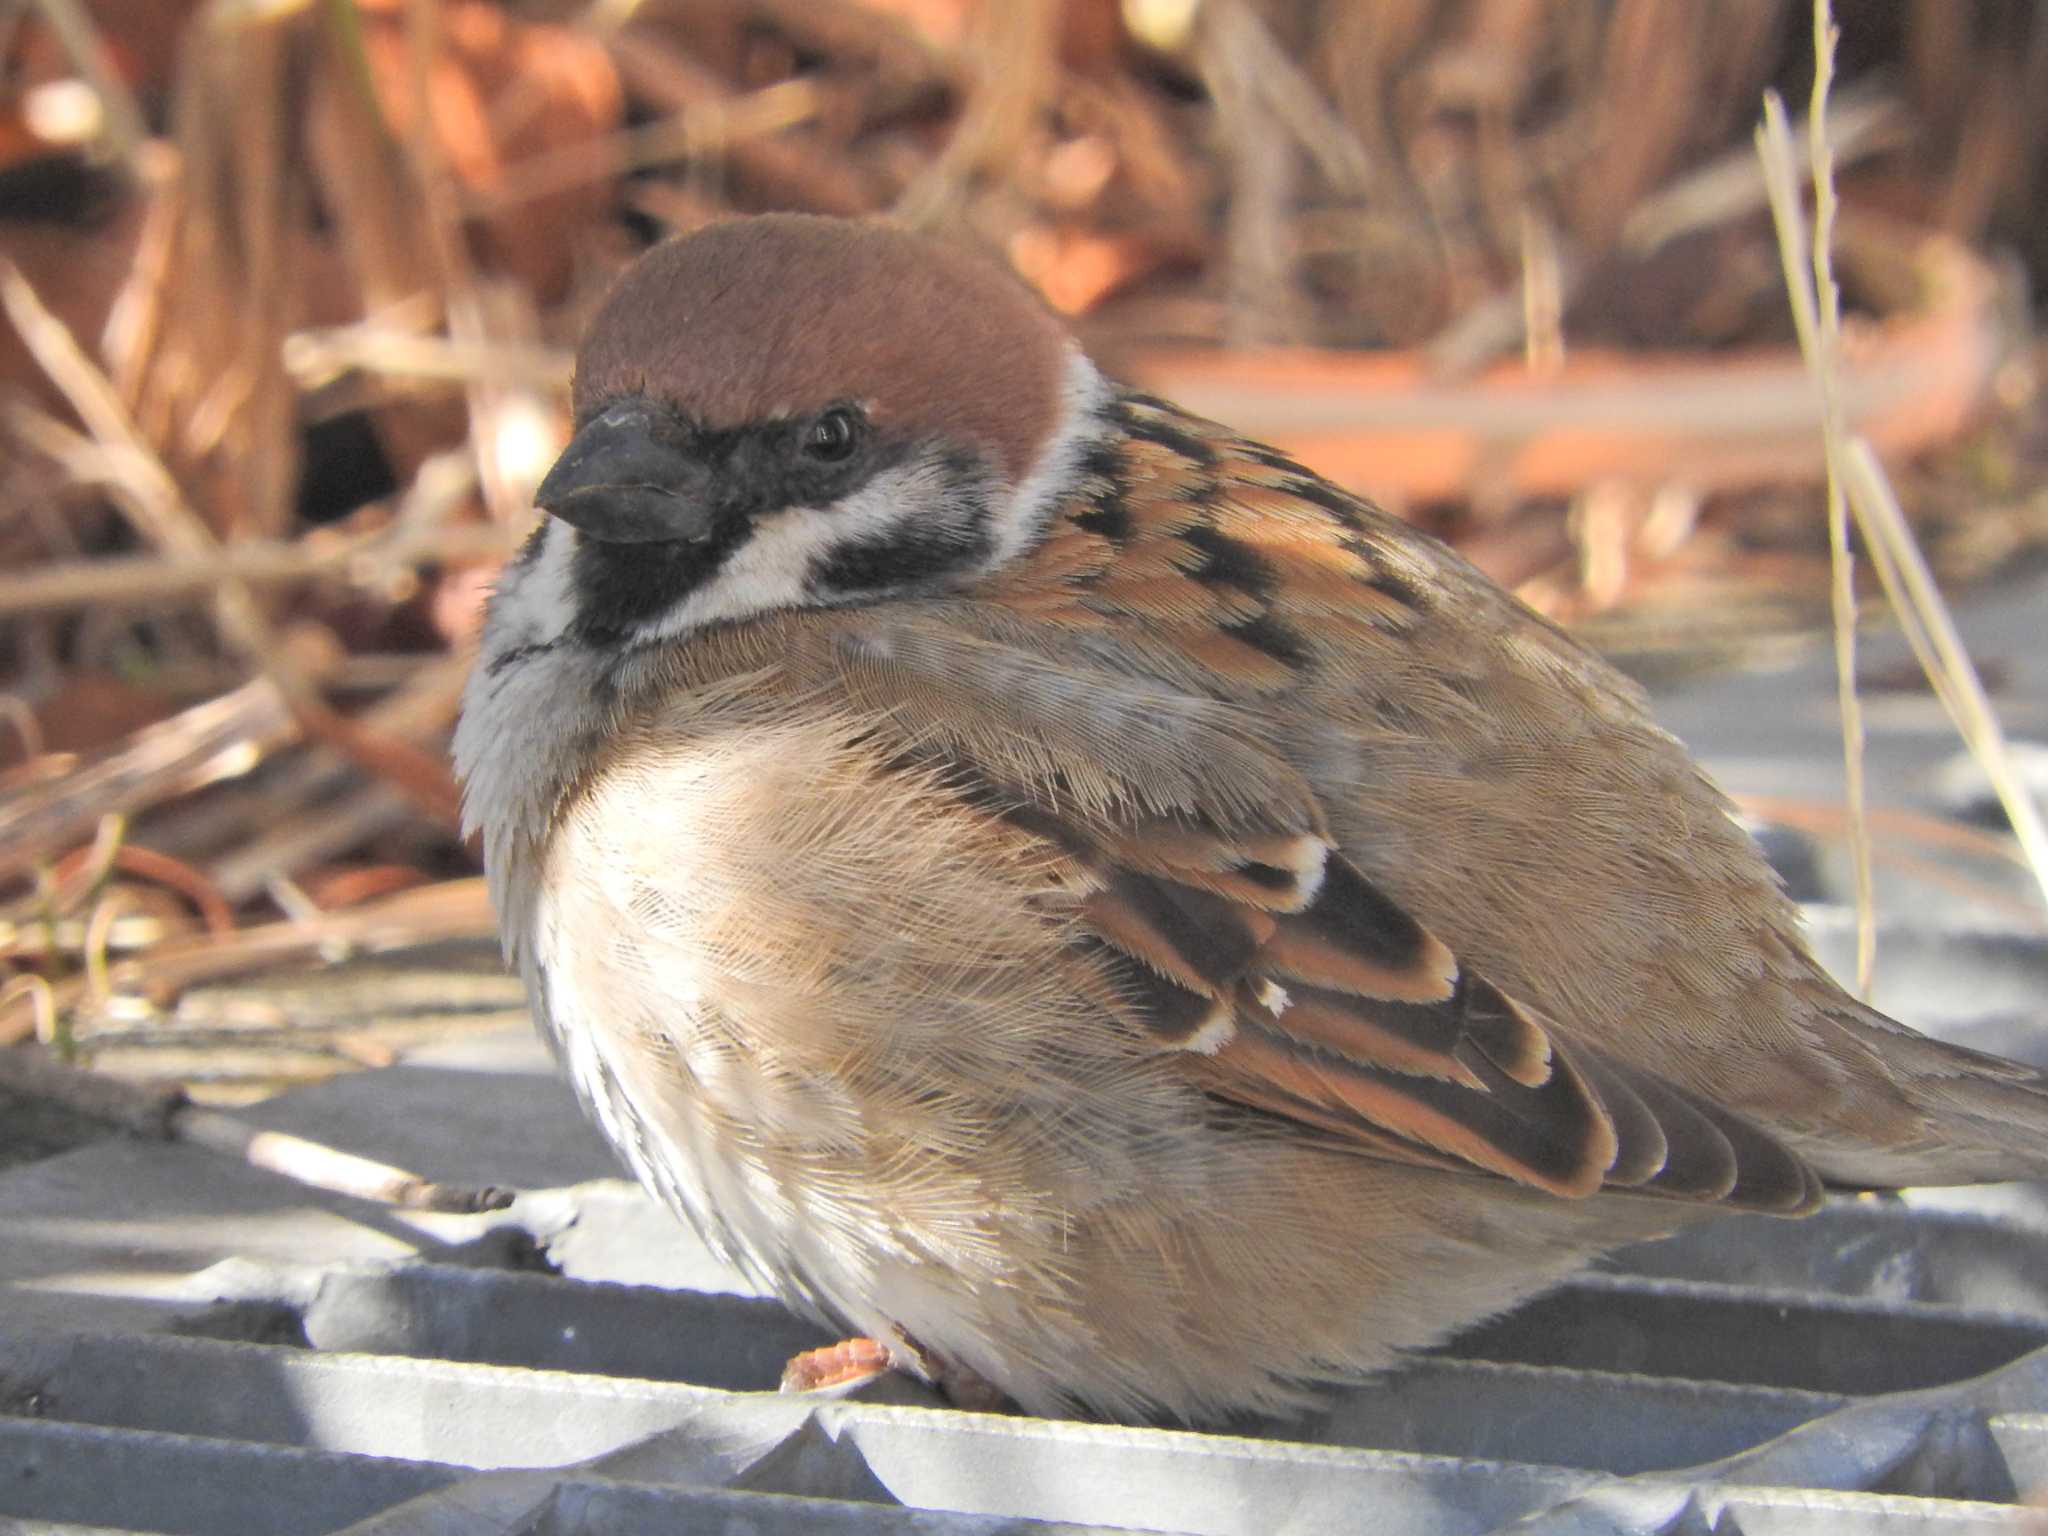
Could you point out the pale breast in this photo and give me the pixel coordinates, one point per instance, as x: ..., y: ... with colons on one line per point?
x: 810, y: 993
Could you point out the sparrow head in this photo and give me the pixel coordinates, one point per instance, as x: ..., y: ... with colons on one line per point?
x: 791, y: 411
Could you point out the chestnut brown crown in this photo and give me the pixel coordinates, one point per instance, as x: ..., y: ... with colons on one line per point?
x: 787, y: 411
x: 782, y: 315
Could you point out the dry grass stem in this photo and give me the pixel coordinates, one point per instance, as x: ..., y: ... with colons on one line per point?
x: 1816, y: 310
x: 153, y: 495
x: 302, y: 842
x: 1891, y: 828
x: 222, y: 738
x: 162, y: 1114
x: 1012, y: 62
x: 175, y: 528
x: 439, y: 210
x: 1233, y: 30
x: 1931, y: 629
x: 316, y: 358
x: 1857, y: 480
x: 1733, y: 186
x: 1933, y: 832
x: 145, y: 581
x: 1390, y: 422
x: 320, y: 1166
x: 21, y: 721
x: 711, y: 130
x: 454, y: 909
x: 1727, y: 188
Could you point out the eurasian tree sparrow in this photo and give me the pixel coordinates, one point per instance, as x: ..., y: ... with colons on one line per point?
x: 1065, y: 892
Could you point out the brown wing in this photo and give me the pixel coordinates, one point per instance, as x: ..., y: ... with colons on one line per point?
x: 1300, y: 990
x: 1202, y: 884
x: 1298, y: 987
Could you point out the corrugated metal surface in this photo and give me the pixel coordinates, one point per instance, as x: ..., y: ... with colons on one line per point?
x: 1759, y: 1377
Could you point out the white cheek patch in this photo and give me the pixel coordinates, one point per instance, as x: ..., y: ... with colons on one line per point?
x: 537, y: 598
x: 775, y: 568
x: 765, y: 573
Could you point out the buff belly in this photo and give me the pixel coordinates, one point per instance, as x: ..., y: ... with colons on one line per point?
x: 825, y: 1017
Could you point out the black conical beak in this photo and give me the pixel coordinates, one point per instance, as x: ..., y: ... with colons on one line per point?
x: 618, y: 481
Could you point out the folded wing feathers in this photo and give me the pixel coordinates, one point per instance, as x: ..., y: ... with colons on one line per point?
x: 1493, y: 1132
x: 1644, y: 1150
x: 1196, y: 938
x: 1307, y: 992
x: 1228, y: 927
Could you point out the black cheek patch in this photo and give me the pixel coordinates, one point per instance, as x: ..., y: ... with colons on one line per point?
x: 906, y: 555
x: 620, y: 587
x: 923, y: 546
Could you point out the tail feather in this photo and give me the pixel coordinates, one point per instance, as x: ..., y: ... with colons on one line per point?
x: 1973, y: 1117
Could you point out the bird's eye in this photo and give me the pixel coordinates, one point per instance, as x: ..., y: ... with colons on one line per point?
x: 834, y: 435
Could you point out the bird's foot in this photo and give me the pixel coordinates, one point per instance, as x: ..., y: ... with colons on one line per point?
x: 856, y: 1360
x: 836, y: 1365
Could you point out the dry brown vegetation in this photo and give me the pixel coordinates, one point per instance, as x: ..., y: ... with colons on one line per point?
x: 290, y: 290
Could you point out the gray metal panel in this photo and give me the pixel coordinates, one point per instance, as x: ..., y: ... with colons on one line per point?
x: 1773, y: 1338
x: 1883, y: 1249
x: 623, y: 1509
x: 1614, y: 1423
x: 1784, y: 1378
x: 1211, y: 1485
x: 194, y: 1487
x: 109, y: 1461
x: 430, y: 1410
x: 457, y: 1313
